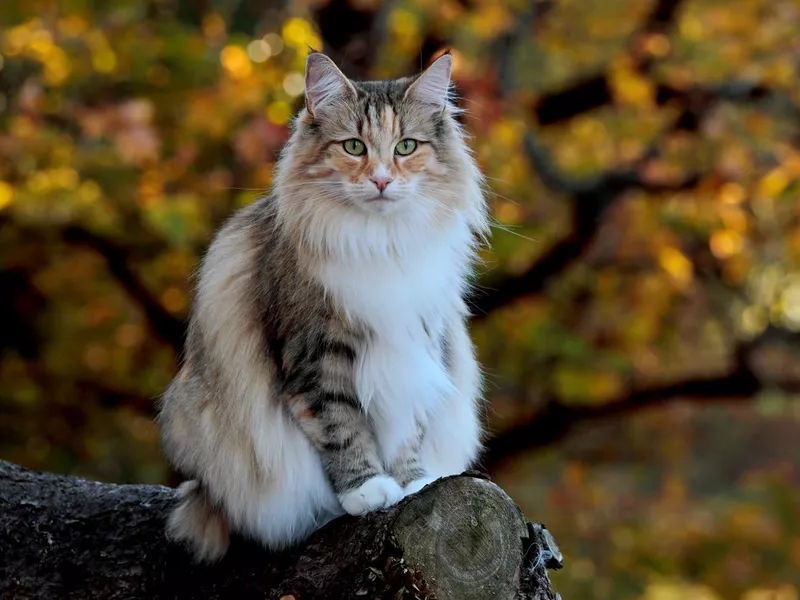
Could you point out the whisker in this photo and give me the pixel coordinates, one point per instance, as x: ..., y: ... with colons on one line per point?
x: 507, y: 228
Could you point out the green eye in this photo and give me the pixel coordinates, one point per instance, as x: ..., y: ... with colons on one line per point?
x: 355, y: 147
x: 405, y: 147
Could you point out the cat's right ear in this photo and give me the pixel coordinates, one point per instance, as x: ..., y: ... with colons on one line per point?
x: 325, y: 83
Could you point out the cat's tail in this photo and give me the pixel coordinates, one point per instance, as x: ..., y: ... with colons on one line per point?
x: 196, y: 522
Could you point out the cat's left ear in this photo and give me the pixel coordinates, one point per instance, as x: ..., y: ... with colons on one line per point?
x: 432, y: 86
x: 325, y: 83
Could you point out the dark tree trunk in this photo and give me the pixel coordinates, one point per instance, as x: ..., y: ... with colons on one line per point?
x: 461, y: 538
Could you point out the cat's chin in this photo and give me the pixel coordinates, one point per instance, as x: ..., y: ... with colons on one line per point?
x: 382, y: 204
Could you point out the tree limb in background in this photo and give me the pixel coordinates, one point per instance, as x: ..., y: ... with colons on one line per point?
x: 556, y: 420
x: 594, y: 91
x: 20, y: 304
x: 119, y: 258
x: 164, y: 325
x: 588, y: 209
x: 591, y: 197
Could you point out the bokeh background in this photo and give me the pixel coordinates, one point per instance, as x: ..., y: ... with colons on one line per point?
x: 638, y: 315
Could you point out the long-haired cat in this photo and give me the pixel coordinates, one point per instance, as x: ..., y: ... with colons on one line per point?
x: 328, y: 369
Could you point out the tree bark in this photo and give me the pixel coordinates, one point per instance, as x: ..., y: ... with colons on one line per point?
x: 461, y: 538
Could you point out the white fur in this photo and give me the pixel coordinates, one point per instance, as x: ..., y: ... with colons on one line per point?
x: 453, y: 439
x: 417, y: 485
x: 377, y: 492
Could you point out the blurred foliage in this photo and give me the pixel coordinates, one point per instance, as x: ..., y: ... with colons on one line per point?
x: 130, y: 129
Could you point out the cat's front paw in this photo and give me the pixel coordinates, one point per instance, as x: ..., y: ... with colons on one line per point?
x: 375, y: 493
x: 413, y: 487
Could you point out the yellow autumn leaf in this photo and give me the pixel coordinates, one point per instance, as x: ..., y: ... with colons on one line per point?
x: 605, y: 385
x: 104, y: 60
x: 676, y: 264
x: 299, y: 34
x: 403, y: 23
x: 731, y: 193
x: 725, y: 243
x: 6, y: 194
x: 629, y: 87
x: 586, y: 385
x: 236, y: 62
x: 89, y: 192
x: 734, y: 218
x: 508, y: 212
x: 773, y: 183
x: 508, y: 133
x: 780, y: 72
x: 491, y: 20
x: 279, y: 112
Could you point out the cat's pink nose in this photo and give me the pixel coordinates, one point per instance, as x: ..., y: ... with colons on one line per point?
x: 381, y: 182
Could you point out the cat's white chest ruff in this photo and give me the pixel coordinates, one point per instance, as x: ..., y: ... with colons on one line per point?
x: 400, y: 377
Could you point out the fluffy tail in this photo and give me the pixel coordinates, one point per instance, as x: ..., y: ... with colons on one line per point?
x: 196, y: 522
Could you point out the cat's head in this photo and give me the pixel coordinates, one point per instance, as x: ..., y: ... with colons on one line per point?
x: 377, y: 159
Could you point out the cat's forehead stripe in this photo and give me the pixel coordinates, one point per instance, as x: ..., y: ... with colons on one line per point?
x: 389, y: 119
x: 378, y: 117
x: 372, y: 114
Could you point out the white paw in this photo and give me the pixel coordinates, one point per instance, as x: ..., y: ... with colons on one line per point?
x: 414, y: 486
x: 379, y: 492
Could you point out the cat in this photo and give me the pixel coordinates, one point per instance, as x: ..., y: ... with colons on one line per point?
x: 327, y: 367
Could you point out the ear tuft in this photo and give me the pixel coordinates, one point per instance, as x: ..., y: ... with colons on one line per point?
x: 433, y: 85
x: 325, y: 83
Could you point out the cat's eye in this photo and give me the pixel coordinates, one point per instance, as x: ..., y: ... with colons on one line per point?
x: 405, y: 147
x: 355, y: 147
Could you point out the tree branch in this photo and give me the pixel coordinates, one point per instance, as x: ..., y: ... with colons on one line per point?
x: 118, y: 258
x: 594, y: 91
x: 591, y: 197
x: 556, y: 420
x: 589, y: 206
x: 163, y: 324
x: 461, y: 538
